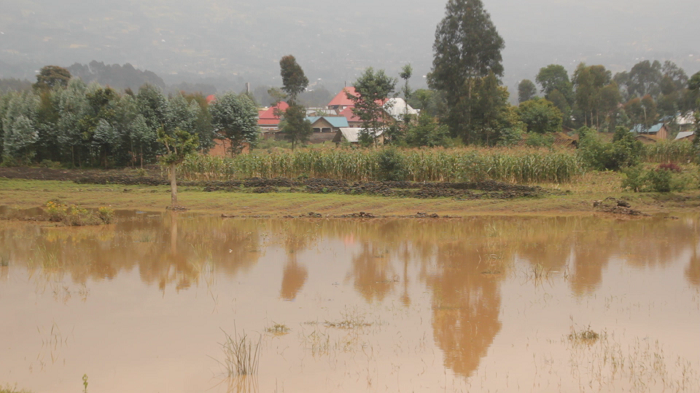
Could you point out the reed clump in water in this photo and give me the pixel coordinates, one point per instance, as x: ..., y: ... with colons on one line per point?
x: 586, y: 335
x: 241, y: 354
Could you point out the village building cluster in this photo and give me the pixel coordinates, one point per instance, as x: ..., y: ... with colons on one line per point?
x: 336, y: 122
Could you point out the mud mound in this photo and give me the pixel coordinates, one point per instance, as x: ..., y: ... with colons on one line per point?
x: 359, y: 215
x: 616, y: 206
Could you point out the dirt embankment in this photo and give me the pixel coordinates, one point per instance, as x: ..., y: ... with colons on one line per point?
x: 470, y: 190
x: 462, y: 191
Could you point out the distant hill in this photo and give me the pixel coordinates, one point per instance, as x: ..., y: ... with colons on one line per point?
x: 115, y: 75
x: 225, y: 43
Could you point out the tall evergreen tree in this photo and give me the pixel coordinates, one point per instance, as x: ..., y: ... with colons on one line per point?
x: 467, y: 47
x: 293, y: 79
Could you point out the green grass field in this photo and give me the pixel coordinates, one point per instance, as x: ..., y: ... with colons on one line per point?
x: 582, y: 193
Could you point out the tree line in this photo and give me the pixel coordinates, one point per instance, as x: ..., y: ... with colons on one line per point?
x: 593, y: 97
x: 63, y: 119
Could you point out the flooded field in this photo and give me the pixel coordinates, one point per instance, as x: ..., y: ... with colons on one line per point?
x: 165, y: 303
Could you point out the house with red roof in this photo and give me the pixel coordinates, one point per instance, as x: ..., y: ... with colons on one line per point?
x: 353, y: 120
x: 269, y: 119
x: 341, y: 100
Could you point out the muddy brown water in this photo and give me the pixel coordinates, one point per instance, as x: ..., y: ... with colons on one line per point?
x: 403, y: 305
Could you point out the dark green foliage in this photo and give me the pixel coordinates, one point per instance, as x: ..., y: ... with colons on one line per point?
x: 296, y: 127
x: 467, y: 50
x: 694, y: 82
x: 12, y: 84
x: 623, y: 152
x: 391, y: 165
x: 115, y: 75
x: 554, y: 77
x: 178, y: 145
x: 373, y: 89
x: 589, y: 81
x: 635, y: 179
x: 428, y: 132
x: 235, y: 118
x: 644, y: 78
x: 664, y: 178
x: 539, y: 140
x: 428, y: 101
x: 540, y: 115
x: 659, y: 180
x: 526, y: 90
x: 293, y: 79
x: 52, y: 76
x: 490, y: 112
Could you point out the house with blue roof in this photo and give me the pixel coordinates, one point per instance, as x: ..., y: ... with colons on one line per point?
x: 326, y: 127
x: 658, y: 131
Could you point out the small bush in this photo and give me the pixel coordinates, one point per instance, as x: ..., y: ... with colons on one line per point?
x: 634, y: 179
x: 535, y: 139
x: 659, y: 180
x: 50, y: 164
x: 664, y: 178
x: 105, y: 214
x: 623, y: 152
x: 391, y: 165
x: 76, y: 216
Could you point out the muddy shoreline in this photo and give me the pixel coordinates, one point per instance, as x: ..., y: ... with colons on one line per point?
x: 328, y: 198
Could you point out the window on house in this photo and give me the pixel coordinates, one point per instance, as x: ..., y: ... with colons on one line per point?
x: 317, y: 130
x: 326, y: 130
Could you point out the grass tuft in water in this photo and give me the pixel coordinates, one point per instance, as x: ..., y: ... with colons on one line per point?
x: 241, y: 354
x: 586, y: 335
x: 12, y: 389
x: 277, y: 329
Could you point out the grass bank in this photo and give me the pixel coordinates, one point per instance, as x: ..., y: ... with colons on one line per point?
x: 571, y: 199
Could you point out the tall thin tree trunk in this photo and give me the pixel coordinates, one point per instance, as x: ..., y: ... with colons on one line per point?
x: 173, y: 186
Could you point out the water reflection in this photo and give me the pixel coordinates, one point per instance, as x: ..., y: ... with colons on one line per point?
x: 460, y: 263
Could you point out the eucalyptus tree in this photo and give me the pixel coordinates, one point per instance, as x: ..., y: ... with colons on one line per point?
x: 153, y: 105
x: 71, y: 103
x: 235, y: 119
x: 98, y: 134
x: 467, y: 48
x: 406, y: 74
x: 294, y: 80
x: 19, y: 128
x: 526, y: 90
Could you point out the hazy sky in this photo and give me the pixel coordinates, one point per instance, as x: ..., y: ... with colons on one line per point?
x: 334, y: 41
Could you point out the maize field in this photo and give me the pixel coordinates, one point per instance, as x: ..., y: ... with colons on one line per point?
x: 681, y: 152
x: 521, y: 165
